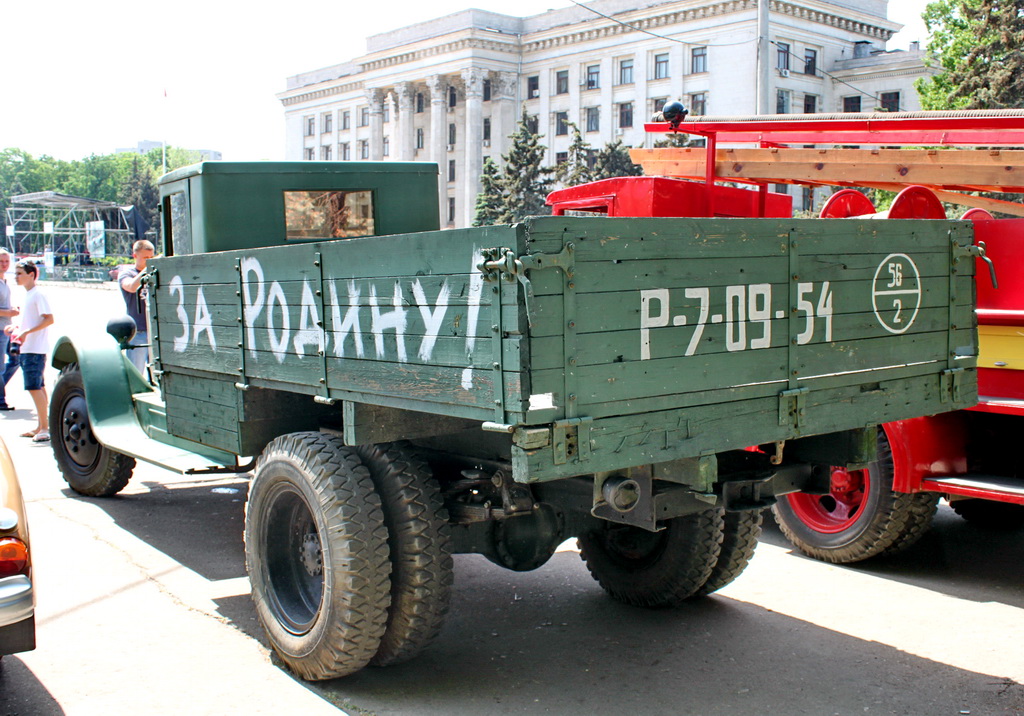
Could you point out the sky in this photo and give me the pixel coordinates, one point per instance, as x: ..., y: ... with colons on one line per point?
x: 80, y: 78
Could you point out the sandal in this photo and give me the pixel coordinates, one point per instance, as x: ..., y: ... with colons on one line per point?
x: 43, y: 436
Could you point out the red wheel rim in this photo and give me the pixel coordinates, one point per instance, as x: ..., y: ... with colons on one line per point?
x: 837, y: 510
x: 846, y: 203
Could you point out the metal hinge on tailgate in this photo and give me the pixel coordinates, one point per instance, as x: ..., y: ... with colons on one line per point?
x: 571, y: 439
x: 791, y: 406
x: 502, y: 264
x: 950, y: 385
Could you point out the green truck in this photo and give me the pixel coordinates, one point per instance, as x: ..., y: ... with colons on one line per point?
x: 401, y: 394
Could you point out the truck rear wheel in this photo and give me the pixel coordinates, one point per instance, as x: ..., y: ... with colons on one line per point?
x: 317, y: 554
x: 88, y: 466
x: 740, y: 533
x: 654, y: 569
x: 990, y: 514
x: 861, y: 517
x: 419, y: 541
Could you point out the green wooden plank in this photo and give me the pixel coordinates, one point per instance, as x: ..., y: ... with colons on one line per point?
x: 620, y: 442
x: 220, y: 392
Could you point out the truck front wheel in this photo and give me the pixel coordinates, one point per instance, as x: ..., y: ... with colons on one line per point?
x: 419, y: 540
x: 861, y: 517
x: 317, y: 554
x: 654, y: 569
x: 88, y: 466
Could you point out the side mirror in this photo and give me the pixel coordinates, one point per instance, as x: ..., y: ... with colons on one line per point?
x: 123, y: 329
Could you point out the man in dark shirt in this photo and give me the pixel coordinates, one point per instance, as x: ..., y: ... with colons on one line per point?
x: 129, y: 278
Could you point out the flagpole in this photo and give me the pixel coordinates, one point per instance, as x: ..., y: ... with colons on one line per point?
x: 164, y: 141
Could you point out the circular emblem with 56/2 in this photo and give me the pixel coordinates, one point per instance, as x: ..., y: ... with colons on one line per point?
x: 896, y: 293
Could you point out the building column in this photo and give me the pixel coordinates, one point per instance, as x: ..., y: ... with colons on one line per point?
x: 473, y: 77
x: 405, y: 96
x: 376, y: 99
x: 437, y: 85
x: 503, y: 112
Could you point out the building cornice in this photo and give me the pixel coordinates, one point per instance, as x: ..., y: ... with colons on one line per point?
x: 584, y: 34
x: 716, y: 9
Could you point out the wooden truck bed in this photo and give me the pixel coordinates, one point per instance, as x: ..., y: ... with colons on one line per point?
x: 597, y: 343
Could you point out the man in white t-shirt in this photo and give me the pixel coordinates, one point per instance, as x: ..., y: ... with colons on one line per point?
x: 33, y: 334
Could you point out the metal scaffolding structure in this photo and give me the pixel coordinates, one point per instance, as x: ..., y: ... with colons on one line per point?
x: 68, y: 226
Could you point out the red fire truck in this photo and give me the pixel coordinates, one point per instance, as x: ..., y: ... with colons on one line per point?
x: 967, y: 457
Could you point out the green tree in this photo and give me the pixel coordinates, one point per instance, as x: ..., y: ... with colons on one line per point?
x: 614, y: 161
x: 575, y: 169
x: 140, y: 190
x: 976, y: 46
x: 524, y: 180
x: 490, y: 202
x: 674, y: 139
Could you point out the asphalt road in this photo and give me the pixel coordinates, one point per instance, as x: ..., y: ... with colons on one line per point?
x: 143, y: 607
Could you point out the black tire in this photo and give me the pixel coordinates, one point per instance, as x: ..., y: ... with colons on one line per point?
x: 740, y: 533
x: 317, y: 554
x: 88, y: 466
x: 885, y: 521
x: 989, y: 514
x: 419, y: 540
x: 654, y: 569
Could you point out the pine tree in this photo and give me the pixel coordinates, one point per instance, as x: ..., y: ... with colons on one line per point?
x: 614, y: 161
x: 674, y: 139
x: 524, y: 180
x: 140, y: 190
x: 575, y: 169
x: 491, y: 199
x: 976, y: 43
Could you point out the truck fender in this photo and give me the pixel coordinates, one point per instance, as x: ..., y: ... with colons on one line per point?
x: 110, y: 381
x: 935, y: 445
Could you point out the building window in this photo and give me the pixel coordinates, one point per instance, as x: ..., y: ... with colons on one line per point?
x: 593, y: 76
x: 420, y: 103
x: 699, y: 104
x: 451, y: 210
x: 387, y: 111
x: 659, y: 104
x: 562, y: 82
x: 782, y: 56
x: 782, y: 101
x: 625, y: 72
x: 810, y: 62
x: 419, y: 137
x: 453, y: 96
x: 890, y: 101
x: 561, y: 158
x: 561, y: 123
x: 451, y: 134
x: 810, y: 103
x: 532, y: 87
x: 386, y: 147
x: 661, y: 66
x: 593, y: 119
x: 308, y: 153
x: 310, y: 126
x: 487, y: 90
x: 343, y: 152
x: 325, y: 152
x: 851, y: 104
x: 364, y: 149
x: 532, y: 124
x: 451, y: 170
x: 364, y: 116
x: 328, y: 122
x: 626, y: 114
x: 487, y: 129
x: 346, y: 120
x: 807, y: 198
x: 698, y: 60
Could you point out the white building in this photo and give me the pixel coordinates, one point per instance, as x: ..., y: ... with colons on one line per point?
x: 450, y: 90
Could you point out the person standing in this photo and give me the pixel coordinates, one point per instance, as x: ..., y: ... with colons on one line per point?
x: 8, y: 363
x: 129, y: 278
x: 34, y: 335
